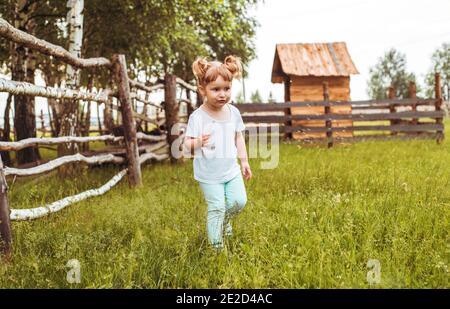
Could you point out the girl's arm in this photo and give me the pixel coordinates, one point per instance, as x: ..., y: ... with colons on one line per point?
x: 242, y: 155
x: 192, y: 143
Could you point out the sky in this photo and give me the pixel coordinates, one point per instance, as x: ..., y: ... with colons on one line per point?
x: 369, y: 27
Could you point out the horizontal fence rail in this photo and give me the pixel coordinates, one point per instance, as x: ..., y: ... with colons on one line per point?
x: 397, y: 116
x: 121, y: 86
x: 370, y: 104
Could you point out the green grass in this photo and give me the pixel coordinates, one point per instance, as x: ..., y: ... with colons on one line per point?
x: 313, y: 222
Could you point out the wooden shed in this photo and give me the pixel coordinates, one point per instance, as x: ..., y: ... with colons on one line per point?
x: 303, y: 68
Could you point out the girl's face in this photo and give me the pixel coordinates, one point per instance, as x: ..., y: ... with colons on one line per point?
x: 218, y: 92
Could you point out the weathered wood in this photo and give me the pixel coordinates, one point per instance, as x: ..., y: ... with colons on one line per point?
x: 373, y: 104
x: 20, y: 37
x: 137, y: 98
x: 141, y: 86
x: 438, y: 106
x: 24, y: 88
x: 151, y: 138
x: 34, y: 213
x: 392, y: 128
x: 354, y: 117
x: 32, y: 142
x: 378, y: 107
x: 185, y: 84
x: 5, y: 224
x: 287, y: 98
x: 53, y: 164
x: 122, y: 81
x: 147, y: 156
x: 171, y: 109
x: 327, y: 112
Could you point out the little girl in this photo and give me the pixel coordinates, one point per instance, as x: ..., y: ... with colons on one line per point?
x: 214, y: 135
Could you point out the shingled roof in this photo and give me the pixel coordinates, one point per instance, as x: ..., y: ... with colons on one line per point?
x: 312, y: 59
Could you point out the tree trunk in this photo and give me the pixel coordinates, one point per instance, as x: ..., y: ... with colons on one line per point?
x: 171, y: 109
x: 7, y: 131
x: 98, y: 119
x: 23, y: 67
x: 70, y: 107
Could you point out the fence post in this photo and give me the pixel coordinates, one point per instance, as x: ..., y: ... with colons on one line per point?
x: 287, y: 111
x: 438, y: 106
x: 392, y: 110
x: 189, y: 105
x: 129, y: 126
x: 171, y: 108
x: 413, y: 95
x: 5, y: 223
x: 328, y: 124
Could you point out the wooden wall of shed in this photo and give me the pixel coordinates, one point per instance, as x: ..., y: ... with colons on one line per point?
x: 310, y: 88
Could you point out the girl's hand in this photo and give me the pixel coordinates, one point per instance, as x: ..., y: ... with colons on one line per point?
x: 246, y: 170
x: 204, y: 139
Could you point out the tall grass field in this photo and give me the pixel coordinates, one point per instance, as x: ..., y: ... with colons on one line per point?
x: 314, y: 221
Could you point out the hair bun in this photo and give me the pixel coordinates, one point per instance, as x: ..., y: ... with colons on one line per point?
x: 234, y: 65
x: 199, y: 67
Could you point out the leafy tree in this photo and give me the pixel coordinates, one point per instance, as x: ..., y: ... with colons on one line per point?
x: 441, y: 64
x: 390, y: 71
x: 256, y: 97
x: 240, y: 97
x: 271, y: 99
x: 156, y: 36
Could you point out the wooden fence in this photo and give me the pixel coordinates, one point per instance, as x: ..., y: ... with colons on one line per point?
x: 125, y: 92
x: 377, y: 119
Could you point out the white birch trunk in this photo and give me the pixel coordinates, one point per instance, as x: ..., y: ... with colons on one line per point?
x: 75, y: 19
x: 10, y: 146
x: 33, y: 213
x: 46, y: 167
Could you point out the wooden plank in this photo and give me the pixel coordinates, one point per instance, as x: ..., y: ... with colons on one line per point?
x: 354, y: 117
x: 256, y: 107
x: 395, y: 128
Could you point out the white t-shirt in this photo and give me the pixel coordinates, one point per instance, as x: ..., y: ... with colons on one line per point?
x: 216, y: 162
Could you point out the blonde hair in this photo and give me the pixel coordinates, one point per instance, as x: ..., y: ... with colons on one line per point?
x: 207, y: 71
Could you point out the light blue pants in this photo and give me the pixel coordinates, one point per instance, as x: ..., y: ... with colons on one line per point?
x: 224, y: 201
